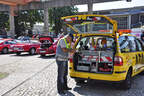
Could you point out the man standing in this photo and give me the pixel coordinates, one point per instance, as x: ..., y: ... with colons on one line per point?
x: 142, y: 36
x: 63, y: 48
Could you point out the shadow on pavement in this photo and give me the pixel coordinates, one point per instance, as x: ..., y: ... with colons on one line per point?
x: 68, y: 93
x: 47, y: 57
x: 96, y: 88
x: 22, y: 55
x: 5, y: 54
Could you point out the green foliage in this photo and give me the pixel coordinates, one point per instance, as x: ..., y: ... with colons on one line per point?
x: 4, y: 19
x: 26, y: 19
x: 56, y: 13
x: 3, y: 75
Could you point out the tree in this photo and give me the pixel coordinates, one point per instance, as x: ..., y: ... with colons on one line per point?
x: 4, y: 19
x: 56, y: 13
x: 26, y: 19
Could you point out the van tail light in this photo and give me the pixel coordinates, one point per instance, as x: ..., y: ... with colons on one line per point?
x: 71, y: 60
x: 71, y: 57
x: 118, y: 61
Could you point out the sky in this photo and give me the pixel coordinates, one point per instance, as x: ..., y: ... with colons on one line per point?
x: 112, y: 5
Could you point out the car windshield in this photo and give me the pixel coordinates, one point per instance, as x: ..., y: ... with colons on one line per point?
x: 34, y: 41
x: 1, y: 41
x: 23, y: 38
x: 12, y: 42
x: 21, y: 41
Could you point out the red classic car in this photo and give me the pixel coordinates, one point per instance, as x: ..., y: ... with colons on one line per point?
x: 48, y: 45
x: 5, y: 45
x: 25, y: 46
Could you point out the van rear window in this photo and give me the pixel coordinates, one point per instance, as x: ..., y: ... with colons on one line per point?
x: 92, y: 27
x: 96, y: 43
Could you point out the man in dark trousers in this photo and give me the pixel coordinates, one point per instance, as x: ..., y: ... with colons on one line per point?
x: 63, y: 48
x: 142, y: 36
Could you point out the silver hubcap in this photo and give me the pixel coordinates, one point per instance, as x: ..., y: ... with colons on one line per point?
x: 32, y: 51
x: 5, y: 50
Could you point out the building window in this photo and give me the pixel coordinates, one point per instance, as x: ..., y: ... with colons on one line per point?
x: 122, y: 22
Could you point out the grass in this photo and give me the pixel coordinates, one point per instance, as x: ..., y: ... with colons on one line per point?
x: 3, y: 75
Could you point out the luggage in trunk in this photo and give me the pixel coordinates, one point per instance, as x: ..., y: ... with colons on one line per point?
x: 94, y: 61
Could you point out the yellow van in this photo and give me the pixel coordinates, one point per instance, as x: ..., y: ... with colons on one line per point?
x: 102, y: 51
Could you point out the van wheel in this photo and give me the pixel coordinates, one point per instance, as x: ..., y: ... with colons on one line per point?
x: 5, y: 50
x: 79, y: 81
x: 32, y: 51
x: 42, y: 55
x: 126, y: 84
x: 141, y: 73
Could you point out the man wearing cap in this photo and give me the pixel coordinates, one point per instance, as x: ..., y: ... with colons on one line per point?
x: 63, y: 48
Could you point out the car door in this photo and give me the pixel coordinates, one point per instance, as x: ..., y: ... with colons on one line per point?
x: 128, y: 50
x: 6, y: 43
x: 139, y: 55
x: 9, y: 42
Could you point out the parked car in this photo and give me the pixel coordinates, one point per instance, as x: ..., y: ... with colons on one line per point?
x: 5, y: 45
x: 29, y: 46
x: 103, y: 52
x: 48, y: 45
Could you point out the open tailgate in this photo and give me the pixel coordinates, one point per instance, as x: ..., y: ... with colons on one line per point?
x: 90, y: 24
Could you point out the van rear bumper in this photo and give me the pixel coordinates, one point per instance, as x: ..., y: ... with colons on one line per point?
x: 115, y: 76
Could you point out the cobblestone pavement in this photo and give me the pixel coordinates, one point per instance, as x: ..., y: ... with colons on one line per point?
x: 41, y: 80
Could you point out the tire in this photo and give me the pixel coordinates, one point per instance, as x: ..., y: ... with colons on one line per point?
x: 126, y: 84
x: 42, y: 55
x: 141, y: 73
x: 5, y: 50
x: 18, y: 53
x: 32, y: 51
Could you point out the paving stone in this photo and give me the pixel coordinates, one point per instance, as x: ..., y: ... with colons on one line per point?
x: 41, y: 81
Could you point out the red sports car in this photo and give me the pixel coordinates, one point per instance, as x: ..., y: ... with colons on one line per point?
x: 5, y: 45
x: 25, y: 46
x: 48, y: 46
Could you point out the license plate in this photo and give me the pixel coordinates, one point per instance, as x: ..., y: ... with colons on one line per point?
x: 10, y: 50
x: 83, y: 68
x: 42, y: 51
x: 16, y: 48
